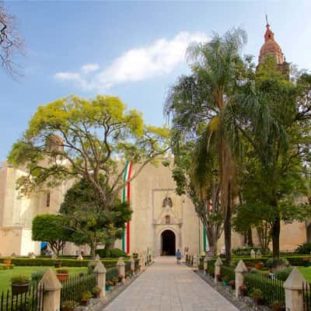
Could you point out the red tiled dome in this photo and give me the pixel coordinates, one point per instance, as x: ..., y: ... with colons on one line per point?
x: 271, y: 47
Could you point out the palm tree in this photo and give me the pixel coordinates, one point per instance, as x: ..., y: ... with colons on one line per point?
x: 202, y: 99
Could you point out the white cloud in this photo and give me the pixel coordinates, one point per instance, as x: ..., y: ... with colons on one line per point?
x: 160, y: 57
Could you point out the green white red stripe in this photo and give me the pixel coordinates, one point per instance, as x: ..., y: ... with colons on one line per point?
x: 126, y: 197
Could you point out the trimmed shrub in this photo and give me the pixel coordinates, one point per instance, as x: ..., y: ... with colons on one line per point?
x: 111, y: 253
x: 65, y: 262
x: 304, y: 248
x: 299, y: 261
x: 283, y: 274
x: 275, y: 262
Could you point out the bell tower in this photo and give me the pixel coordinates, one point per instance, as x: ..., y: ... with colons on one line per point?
x: 271, y: 48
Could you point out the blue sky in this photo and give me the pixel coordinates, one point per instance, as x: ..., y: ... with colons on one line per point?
x: 131, y: 49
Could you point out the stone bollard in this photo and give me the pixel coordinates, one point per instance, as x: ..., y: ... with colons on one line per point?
x: 142, y: 261
x: 253, y: 254
x: 293, y: 291
x: 100, y: 271
x: 132, y: 261
x: 121, y: 269
x: 218, y: 265
x: 205, y: 265
x: 258, y: 254
x: 52, y: 288
x: 195, y: 262
x: 240, y: 270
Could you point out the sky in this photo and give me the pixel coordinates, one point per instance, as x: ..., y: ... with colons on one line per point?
x: 131, y: 49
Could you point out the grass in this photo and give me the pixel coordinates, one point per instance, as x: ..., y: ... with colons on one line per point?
x: 5, y: 275
x: 306, y: 272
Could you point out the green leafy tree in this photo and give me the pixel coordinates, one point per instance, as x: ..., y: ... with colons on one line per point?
x: 51, y: 229
x: 274, y: 126
x: 88, y: 221
x: 75, y: 138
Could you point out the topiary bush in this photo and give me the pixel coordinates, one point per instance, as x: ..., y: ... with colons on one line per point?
x: 304, y: 248
x: 276, y: 262
x: 282, y: 275
x: 111, y: 253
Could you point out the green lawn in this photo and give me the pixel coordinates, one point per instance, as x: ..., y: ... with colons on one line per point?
x: 306, y: 272
x: 5, y: 275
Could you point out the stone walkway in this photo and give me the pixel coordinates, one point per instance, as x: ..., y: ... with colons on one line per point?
x: 166, y: 286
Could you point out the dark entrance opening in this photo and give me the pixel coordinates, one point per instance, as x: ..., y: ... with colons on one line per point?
x: 168, y: 243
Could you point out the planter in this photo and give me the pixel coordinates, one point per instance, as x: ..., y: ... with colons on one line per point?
x: 7, y: 262
x: 225, y: 283
x: 57, y: 264
x: 84, y: 302
x: 19, y: 288
x: 108, y: 288
x: 62, y: 277
x: 243, y: 291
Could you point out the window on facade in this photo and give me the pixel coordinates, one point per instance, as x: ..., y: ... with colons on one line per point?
x: 167, y: 219
x: 48, y: 199
x: 167, y: 202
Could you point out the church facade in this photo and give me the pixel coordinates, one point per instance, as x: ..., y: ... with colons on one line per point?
x: 162, y: 221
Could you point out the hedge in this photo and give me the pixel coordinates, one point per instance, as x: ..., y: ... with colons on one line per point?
x: 64, y: 262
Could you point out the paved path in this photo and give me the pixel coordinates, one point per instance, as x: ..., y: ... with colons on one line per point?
x: 166, y: 286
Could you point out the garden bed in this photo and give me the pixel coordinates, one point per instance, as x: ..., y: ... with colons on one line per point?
x: 6, y: 275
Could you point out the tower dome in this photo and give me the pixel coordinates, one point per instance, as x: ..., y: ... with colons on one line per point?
x: 271, y: 48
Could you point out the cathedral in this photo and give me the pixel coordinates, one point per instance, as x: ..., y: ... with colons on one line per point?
x: 162, y: 221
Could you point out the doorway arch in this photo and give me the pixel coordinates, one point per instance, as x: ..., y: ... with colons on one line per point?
x: 168, y: 243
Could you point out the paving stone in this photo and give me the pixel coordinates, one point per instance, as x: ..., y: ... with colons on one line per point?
x: 166, y: 286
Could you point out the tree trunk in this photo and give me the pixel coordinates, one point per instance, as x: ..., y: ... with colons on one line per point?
x: 93, y: 246
x: 250, y: 237
x: 276, y: 228
x: 227, y: 227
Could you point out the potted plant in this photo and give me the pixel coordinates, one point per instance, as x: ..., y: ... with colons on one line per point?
x: 225, y: 280
x: 19, y: 284
x: 69, y: 305
x: 243, y: 290
x: 86, y: 296
x: 277, y: 306
x: 96, y: 291
x: 57, y: 263
x: 109, y: 284
x: 259, y: 265
x: 232, y: 284
x: 62, y: 274
x: 7, y: 261
x: 257, y: 295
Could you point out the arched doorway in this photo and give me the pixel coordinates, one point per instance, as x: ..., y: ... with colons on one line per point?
x: 168, y: 243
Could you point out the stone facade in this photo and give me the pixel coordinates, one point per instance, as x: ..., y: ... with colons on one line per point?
x: 161, y: 222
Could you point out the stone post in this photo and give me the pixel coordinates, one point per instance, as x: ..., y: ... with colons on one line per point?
x: 253, y: 254
x: 218, y: 265
x: 258, y: 254
x: 142, y: 261
x: 293, y: 291
x: 195, y: 262
x: 121, y: 269
x: 52, y: 287
x: 132, y: 261
x: 100, y: 271
x: 239, y: 276
x: 205, y: 263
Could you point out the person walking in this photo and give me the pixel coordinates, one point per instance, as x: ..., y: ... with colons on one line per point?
x: 178, y: 256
